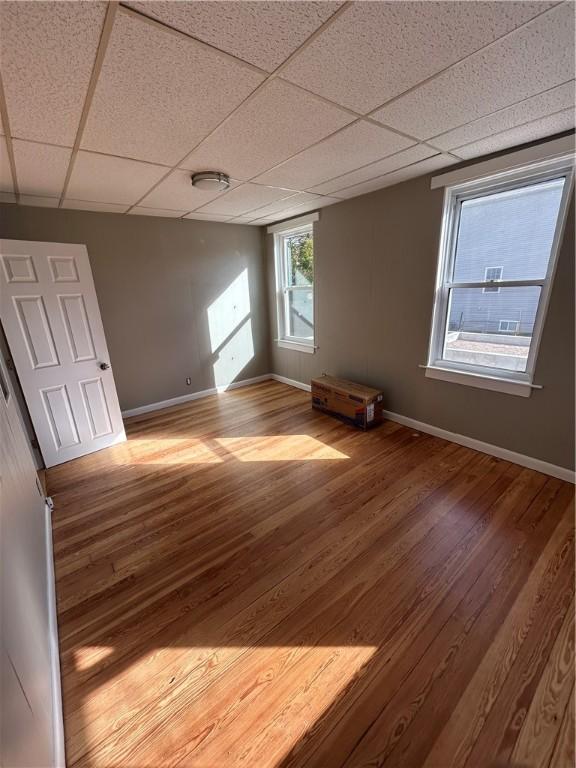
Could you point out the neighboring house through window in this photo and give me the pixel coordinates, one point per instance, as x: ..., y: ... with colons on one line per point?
x: 294, y: 262
x: 483, y: 330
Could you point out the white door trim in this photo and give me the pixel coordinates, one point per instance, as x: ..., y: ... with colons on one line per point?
x: 57, y: 713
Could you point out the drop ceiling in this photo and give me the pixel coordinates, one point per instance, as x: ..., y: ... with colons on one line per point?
x: 111, y: 107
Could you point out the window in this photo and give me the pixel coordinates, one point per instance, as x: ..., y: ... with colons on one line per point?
x: 492, y: 274
x: 481, y: 330
x: 508, y: 326
x: 294, y: 250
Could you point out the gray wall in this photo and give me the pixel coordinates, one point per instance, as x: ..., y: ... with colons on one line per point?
x: 375, y: 268
x: 375, y: 265
x: 156, y: 279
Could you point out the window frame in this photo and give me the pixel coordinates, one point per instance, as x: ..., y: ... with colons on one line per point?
x: 512, y: 382
x: 304, y: 224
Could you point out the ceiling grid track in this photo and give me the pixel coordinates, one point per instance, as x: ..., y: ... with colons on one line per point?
x: 359, y: 116
x: 320, y: 160
x: 8, y: 138
x: 96, y: 69
x: 270, y: 76
x: 436, y: 75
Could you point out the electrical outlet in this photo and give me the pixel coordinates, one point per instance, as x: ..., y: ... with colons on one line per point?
x: 188, y: 380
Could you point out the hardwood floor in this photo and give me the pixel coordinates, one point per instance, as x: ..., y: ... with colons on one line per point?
x: 247, y: 582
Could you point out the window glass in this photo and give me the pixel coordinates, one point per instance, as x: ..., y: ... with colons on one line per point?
x: 301, y: 313
x: 511, y: 231
x: 295, y: 281
x: 492, y: 330
x: 300, y: 258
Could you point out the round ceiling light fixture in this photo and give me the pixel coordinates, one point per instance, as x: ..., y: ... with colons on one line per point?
x: 211, y: 180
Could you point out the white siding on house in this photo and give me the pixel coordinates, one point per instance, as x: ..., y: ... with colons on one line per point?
x: 513, y: 230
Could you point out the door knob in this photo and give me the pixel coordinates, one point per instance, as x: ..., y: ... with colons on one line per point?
x: 104, y: 366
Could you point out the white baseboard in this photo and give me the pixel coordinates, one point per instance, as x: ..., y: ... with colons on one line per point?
x: 469, y: 442
x: 290, y: 382
x: 59, y: 757
x: 193, y: 396
x: 493, y: 450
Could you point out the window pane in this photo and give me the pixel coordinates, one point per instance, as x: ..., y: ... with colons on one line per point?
x: 301, y: 313
x: 300, y: 258
x: 510, y: 232
x: 491, y: 329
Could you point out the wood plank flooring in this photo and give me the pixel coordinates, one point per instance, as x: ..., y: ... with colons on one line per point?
x: 248, y: 582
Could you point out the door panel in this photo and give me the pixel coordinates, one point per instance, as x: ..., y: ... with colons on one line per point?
x: 96, y: 407
x: 52, y: 322
x: 77, y: 328
x: 60, y: 417
x: 36, y: 331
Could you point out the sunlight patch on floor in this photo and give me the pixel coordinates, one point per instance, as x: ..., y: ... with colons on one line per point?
x: 254, y: 448
x: 169, y: 450
x: 279, y: 448
x: 90, y: 655
x: 232, y: 699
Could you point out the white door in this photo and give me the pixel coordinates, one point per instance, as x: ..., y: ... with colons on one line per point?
x: 51, y: 318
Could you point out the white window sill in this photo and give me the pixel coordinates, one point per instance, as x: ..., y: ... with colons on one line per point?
x: 297, y: 346
x: 480, y: 381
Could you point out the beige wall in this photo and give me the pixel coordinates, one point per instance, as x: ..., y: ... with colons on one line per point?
x: 156, y: 279
x: 375, y: 260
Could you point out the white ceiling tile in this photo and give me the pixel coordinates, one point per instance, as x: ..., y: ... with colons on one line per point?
x: 403, y: 174
x: 176, y: 192
x: 376, y: 50
x: 299, y: 198
x: 299, y: 210
x: 160, y: 93
x: 279, y: 121
x: 163, y: 212
x: 260, y: 222
x: 534, y: 108
x: 40, y: 168
x: 207, y: 216
x: 356, y: 145
x: 367, y: 172
x: 529, y: 61
x: 537, y: 129
x: 108, y: 179
x: 263, y: 33
x: 39, y: 202
x: 6, y: 184
x: 244, y: 198
x: 325, y: 200
x: 7, y: 197
x: 84, y: 205
x: 48, y: 50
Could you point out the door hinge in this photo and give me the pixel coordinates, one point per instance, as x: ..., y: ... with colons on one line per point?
x: 50, y: 503
x: 34, y: 444
x: 10, y: 364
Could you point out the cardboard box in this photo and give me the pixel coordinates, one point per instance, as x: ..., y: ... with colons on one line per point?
x: 352, y: 403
